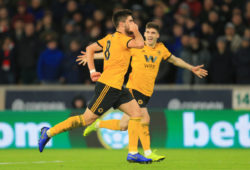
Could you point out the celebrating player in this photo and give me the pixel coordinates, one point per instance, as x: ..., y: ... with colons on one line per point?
x: 145, y: 65
x: 108, y: 90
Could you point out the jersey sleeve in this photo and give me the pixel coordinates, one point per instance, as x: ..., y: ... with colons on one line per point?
x: 102, y: 41
x: 132, y: 51
x: 125, y: 40
x: 165, y: 52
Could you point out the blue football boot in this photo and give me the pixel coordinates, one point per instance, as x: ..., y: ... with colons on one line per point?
x: 138, y: 158
x: 43, y: 138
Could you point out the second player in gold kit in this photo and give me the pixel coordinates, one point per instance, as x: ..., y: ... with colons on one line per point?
x: 146, y: 67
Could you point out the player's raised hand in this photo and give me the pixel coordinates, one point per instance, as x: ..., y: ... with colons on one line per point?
x: 95, y: 76
x: 199, y: 71
x: 82, y: 59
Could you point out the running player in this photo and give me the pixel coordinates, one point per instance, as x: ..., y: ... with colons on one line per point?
x: 108, y: 90
x: 145, y: 65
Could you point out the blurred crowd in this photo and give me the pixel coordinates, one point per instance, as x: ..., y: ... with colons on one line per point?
x: 40, y: 39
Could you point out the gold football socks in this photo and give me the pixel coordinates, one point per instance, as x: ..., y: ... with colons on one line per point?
x: 113, y: 124
x: 133, y: 133
x: 68, y: 124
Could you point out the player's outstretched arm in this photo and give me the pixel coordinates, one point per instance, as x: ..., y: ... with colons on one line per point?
x: 82, y: 59
x: 90, y: 51
x: 197, y: 70
x: 137, y: 41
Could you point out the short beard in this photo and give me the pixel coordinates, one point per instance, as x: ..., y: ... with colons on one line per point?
x: 129, y: 33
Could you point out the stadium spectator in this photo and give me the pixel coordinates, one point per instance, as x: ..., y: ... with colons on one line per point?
x: 184, y: 10
x: 242, y: 62
x: 7, y: 62
x: 195, y: 55
x: 27, y: 54
x: 22, y: 13
x: 233, y: 39
x: 161, y: 12
x: 95, y: 34
x: 46, y: 24
x: 247, y: 33
x: 190, y: 26
x: 164, y: 36
x: 4, y: 28
x: 225, y: 10
x: 79, y: 22
x: 247, y: 13
x: 173, y: 5
x: 195, y: 7
x: 69, y: 35
x: 18, y: 30
x: 49, y: 67
x: 216, y: 23
x: 238, y: 24
x: 98, y: 17
x: 71, y: 9
x: 79, y: 102
x: 4, y: 13
x: 36, y: 9
x: 208, y: 5
x: 4, y: 22
x: 109, y: 28
x: 207, y: 36
x: 247, y: 18
x: 72, y: 72
x: 221, y: 60
x: 139, y: 14
x: 175, y: 45
x: 89, y: 23
x: 46, y: 36
x: 149, y: 7
x: 184, y: 49
x: 179, y: 19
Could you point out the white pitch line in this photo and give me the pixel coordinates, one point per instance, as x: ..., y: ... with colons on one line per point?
x: 36, y: 162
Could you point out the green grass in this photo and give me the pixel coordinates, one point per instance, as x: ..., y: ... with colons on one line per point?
x: 98, y: 159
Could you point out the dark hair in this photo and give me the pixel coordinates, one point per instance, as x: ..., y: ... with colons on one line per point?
x: 81, y: 98
x: 121, y: 15
x: 153, y: 25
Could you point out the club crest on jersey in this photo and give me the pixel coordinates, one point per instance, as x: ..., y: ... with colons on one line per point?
x: 140, y: 101
x: 100, y: 110
x: 148, y: 58
x: 159, y: 52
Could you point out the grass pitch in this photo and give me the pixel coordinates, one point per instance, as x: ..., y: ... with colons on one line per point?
x: 102, y: 159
